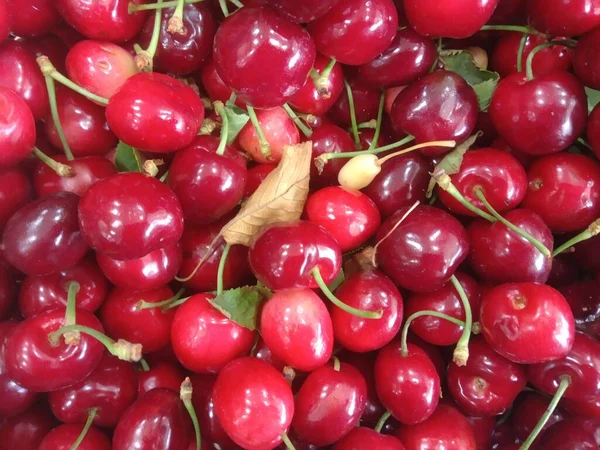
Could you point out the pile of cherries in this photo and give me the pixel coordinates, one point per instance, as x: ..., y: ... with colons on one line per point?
x: 438, y: 290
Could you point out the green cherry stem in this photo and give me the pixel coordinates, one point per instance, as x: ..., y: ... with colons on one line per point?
x: 175, y: 23
x: 220, y: 110
x: 444, y: 182
x: 529, y: 63
x: 175, y: 304
x: 522, y: 44
x: 321, y: 80
x: 316, y: 273
x: 379, y: 120
x: 352, y: 115
x: 381, y: 422
x: 143, y: 304
x: 88, y: 423
x: 286, y: 440
x: 185, y: 394
x: 56, y: 118
x: 237, y: 3
x: 158, y: 5
x: 301, y: 126
x: 224, y: 8
x: 370, y: 125
x: 461, y: 351
x: 522, y: 29
x: 327, y: 156
x: 265, y: 148
x: 144, y: 58
x: 439, y: 315
x: 62, y: 170
x: 71, y: 310
x: 144, y: 364
x: 221, y: 269
x: 592, y: 230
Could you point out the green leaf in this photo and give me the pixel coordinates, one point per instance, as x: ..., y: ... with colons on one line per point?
x: 593, y: 98
x: 241, y: 305
x: 237, y: 119
x: 128, y: 159
x: 484, y: 82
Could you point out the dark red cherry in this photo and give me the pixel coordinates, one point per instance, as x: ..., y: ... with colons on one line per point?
x: 584, y: 299
x: 22, y: 75
x: 527, y: 322
x: 593, y: 130
x: 207, y: 184
x: 564, y: 189
x: 111, y: 388
x: 365, y: 438
x: 52, y: 46
x: 439, y: 106
x: 366, y: 103
x: 5, y: 19
x: 185, y: 53
x: 329, y: 404
x: 446, y: 300
x: 296, y: 326
x: 100, y: 67
x: 213, y: 84
x: 32, y: 17
x: 27, y: 430
x: 375, y: 21
x: 256, y: 175
x: 499, y: 255
x: 483, y: 428
x: 17, y: 128
x: 136, y: 115
x: 446, y: 428
x: 28, y: 352
x: 162, y: 374
x: 283, y: 255
x: 568, y: 435
x: 560, y: 18
x: 253, y: 39
x: 407, y: 385
x: 423, y: 252
x: 539, y: 116
x: 15, y: 192
x: 509, y: 11
x: 8, y: 291
x: 447, y: 20
x: 157, y: 419
x: 198, y: 328
x: 585, y: 63
x: 108, y: 21
x: 303, y: 12
x: 64, y: 436
x: 107, y: 222
x: 43, y: 236
x: 367, y: 290
x: 527, y: 411
x: 253, y: 402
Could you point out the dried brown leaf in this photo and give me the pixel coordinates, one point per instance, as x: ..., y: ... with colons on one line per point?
x: 279, y: 198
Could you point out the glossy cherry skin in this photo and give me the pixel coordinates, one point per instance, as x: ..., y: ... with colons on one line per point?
x: 26, y: 431
x: 32, y: 17
x: 528, y: 409
x: 329, y: 138
x: 361, y: 438
x: 162, y: 374
x: 111, y: 388
x: 564, y: 189
x: 254, y: 38
x: 5, y: 20
x: 433, y: 20
x: 99, y: 66
x: 214, y: 86
x: 15, y: 192
x: 366, y: 104
x: 498, y: 255
x: 568, y: 435
x: 64, y: 436
x: 423, y: 251
x: 108, y: 21
x: 256, y: 175
x: 22, y: 75
x: 156, y: 420
x: 254, y: 403
x: 110, y: 227
x: 447, y: 428
x: 283, y: 255
x: 527, y: 323
x: 376, y: 21
x: 584, y: 299
x: 559, y: 18
x: 43, y: 236
x: 329, y: 404
x: 585, y: 62
x: 198, y: 328
x: 439, y: 106
x: 445, y: 300
x: 303, y: 12
x: 541, y: 116
x: 499, y: 174
x: 28, y: 352
x: 296, y: 326
x: 17, y: 128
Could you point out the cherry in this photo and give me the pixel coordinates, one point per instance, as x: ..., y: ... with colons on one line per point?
x: 268, y: 41
x: 64, y: 436
x: 100, y: 67
x: 51, y: 46
x: 198, y: 328
x: 8, y: 291
x: 32, y: 17
x: 107, y: 222
x: 15, y: 192
x: 162, y: 374
x: 366, y: 99
x: 564, y: 190
x: 157, y: 419
x: 17, y: 128
x: 329, y: 404
x: 584, y: 60
x: 365, y: 438
x: 527, y: 323
x: 527, y: 411
x: 422, y: 110
x: 509, y: 11
x: 483, y: 428
x: 213, y: 84
x: 329, y: 138
x: 253, y: 402
x: 375, y: 21
x: 303, y: 12
x: 424, y: 250
x: 5, y: 20
x: 585, y: 303
x: 26, y: 431
x: 593, y: 130
x: 256, y: 175
x: 559, y: 18
x: 568, y: 435
x: 109, y: 20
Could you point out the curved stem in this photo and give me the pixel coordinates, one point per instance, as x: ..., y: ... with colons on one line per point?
x: 522, y: 29
x: 592, y: 230
x: 439, y: 315
x: 265, y: 148
x: 144, y: 364
x: 352, y: 115
x: 381, y: 422
x: 88, y: 423
x: 143, y: 304
x: 237, y: 3
x: 337, y: 302
x: 221, y: 269
x: 444, y: 182
x: 175, y: 23
x: 305, y: 130
x: 220, y: 110
x: 224, y: 8
x: 185, y: 394
x: 321, y: 80
x: 144, y: 58
x: 71, y: 311
x: 175, y: 304
x: 158, y: 5
x: 62, y: 170
x: 374, y: 151
x: 448, y: 144
x: 565, y: 382
x: 379, y: 120
x: 529, y: 64
x: 461, y: 351
x: 522, y: 44
x: 287, y: 442
x: 56, y: 118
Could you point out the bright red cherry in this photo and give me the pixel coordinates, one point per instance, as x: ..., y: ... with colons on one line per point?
x: 213, y: 84
x: 198, y: 328
x: 64, y: 436
x: 15, y: 192
x: 26, y: 431
x: 253, y: 39
x: 527, y: 322
x: 162, y: 374
x: 366, y: 103
x: 254, y: 403
x: 137, y: 113
x: 17, y: 128
x: 527, y: 411
x: 130, y: 215
x: 365, y: 438
x: 560, y: 18
x: 32, y: 17
x: 329, y: 138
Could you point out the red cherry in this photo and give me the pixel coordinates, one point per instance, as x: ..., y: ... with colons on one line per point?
x: 483, y: 428
x: 8, y: 291
x: 366, y: 103
x: 267, y: 40
x: 26, y: 431
x: 527, y: 411
x: 5, y: 20
x: 585, y: 62
x: 17, y: 128
x: 584, y: 300
x: 303, y: 12
x: 15, y: 192
x: 559, y: 18
x: 253, y: 402
x: 198, y: 328
x: 509, y: 11
x: 213, y: 84
x: 256, y: 175
x: 527, y: 322
x: 365, y: 438
x: 32, y: 17
x: 52, y: 46
x: 568, y: 435
x: 593, y: 130
x: 111, y: 388
x: 107, y: 222
x: 162, y: 374
x: 64, y: 436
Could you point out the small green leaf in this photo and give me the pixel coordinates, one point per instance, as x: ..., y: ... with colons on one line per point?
x: 237, y: 119
x: 241, y: 305
x: 128, y: 159
x: 593, y: 98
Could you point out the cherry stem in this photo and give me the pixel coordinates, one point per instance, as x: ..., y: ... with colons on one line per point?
x: 461, y: 351
x: 528, y: 237
x: 287, y: 442
x: 290, y: 112
x: 381, y: 422
x: 592, y: 230
x: 175, y: 23
x: 321, y: 80
x: 144, y: 364
x: 370, y: 125
x: 336, y: 363
x: 374, y: 151
x: 208, y: 126
x: 389, y: 233
x: 379, y: 120
x: 565, y: 382
x: 448, y: 144
x: 175, y: 304
x: 522, y: 29
x: 88, y: 423
x: 62, y: 170
x: 143, y: 304
x: 221, y: 269
x: 425, y: 312
x: 316, y: 273
x: 522, y: 44
x: 56, y: 118
x: 265, y: 148
x: 144, y: 58
x: 185, y: 394
x: 444, y: 182
x: 352, y: 115
x: 71, y: 311
x: 237, y: 3
x: 122, y: 349
x: 224, y: 8
x: 529, y: 63
x: 164, y: 176
x: 220, y: 110
x: 159, y: 5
